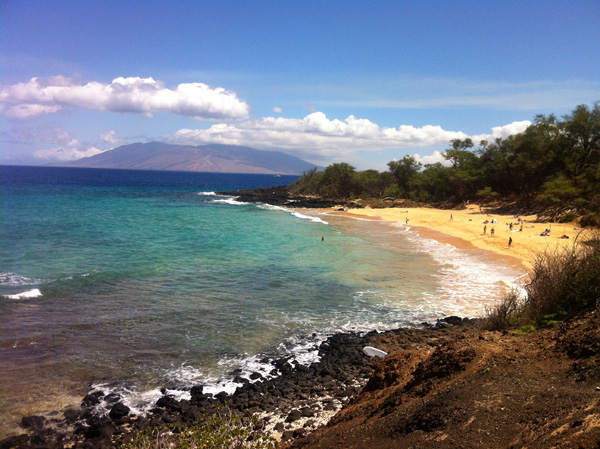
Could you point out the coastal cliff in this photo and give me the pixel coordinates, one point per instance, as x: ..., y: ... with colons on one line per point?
x: 479, y: 390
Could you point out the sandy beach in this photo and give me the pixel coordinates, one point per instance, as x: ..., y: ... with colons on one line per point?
x: 463, y: 228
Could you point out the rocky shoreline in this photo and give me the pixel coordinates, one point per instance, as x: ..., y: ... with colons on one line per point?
x: 295, y: 402
x: 280, y: 196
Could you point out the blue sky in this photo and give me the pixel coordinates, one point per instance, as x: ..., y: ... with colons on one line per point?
x: 362, y: 82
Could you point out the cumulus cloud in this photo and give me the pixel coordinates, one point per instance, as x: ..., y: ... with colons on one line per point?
x: 133, y: 94
x: 503, y: 131
x: 111, y: 138
x: 316, y: 135
x: 431, y: 159
x: 66, y: 154
x: 64, y: 147
x: 277, y: 110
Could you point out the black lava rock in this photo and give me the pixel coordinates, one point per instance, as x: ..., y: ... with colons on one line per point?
x: 118, y: 411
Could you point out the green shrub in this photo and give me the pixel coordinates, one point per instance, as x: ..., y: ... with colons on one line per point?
x: 564, y: 282
x: 223, y: 430
x: 568, y: 217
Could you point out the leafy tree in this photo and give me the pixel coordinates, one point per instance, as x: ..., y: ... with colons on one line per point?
x: 558, y: 190
x: 486, y: 196
x: 432, y: 183
x: 371, y: 183
x: 338, y: 180
x: 581, y: 131
x: 308, y: 183
x: 404, y: 170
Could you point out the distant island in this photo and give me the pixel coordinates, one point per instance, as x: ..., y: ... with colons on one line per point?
x: 207, y: 158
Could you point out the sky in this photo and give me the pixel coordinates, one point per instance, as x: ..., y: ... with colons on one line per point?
x: 363, y: 82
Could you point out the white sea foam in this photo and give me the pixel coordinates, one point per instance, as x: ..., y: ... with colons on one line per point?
x: 470, y: 280
x: 16, y: 280
x: 306, y: 217
x: 272, y: 207
x: 228, y: 200
x: 35, y: 293
x: 294, y: 213
x: 207, y: 193
x: 139, y: 402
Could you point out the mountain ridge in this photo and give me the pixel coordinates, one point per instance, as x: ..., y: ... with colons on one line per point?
x: 217, y: 158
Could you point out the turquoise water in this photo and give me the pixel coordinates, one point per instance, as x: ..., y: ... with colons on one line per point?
x: 139, y: 280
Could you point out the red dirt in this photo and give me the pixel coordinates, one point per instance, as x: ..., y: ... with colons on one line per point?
x: 478, y: 389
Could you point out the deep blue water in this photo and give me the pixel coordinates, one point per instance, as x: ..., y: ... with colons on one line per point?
x: 145, y: 279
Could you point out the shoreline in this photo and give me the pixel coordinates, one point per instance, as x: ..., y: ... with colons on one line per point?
x: 466, y: 230
x: 296, y: 402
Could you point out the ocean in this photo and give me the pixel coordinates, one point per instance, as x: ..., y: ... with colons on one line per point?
x: 133, y: 281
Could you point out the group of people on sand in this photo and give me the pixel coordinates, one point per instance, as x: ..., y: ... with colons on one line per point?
x: 493, y: 232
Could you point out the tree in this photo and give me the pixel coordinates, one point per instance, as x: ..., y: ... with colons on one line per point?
x: 404, y: 170
x: 338, y: 180
x: 371, y: 183
x: 581, y: 132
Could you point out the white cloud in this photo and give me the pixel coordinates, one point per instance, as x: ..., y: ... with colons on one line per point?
x: 25, y: 111
x: 66, y: 154
x: 277, y: 110
x: 111, y: 137
x: 135, y: 95
x: 431, y: 159
x: 316, y: 136
x: 65, y: 147
x: 503, y: 131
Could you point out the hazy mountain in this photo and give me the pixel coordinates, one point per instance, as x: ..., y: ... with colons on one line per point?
x: 207, y: 158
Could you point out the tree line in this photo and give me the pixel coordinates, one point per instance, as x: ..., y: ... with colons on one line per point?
x: 554, y: 163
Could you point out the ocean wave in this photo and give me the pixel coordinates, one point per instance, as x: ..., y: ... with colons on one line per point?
x: 306, y: 217
x: 230, y: 200
x: 207, y: 193
x: 293, y: 212
x: 272, y: 207
x: 140, y: 402
x: 35, y: 293
x: 470, y: 280
x: 16, y: 280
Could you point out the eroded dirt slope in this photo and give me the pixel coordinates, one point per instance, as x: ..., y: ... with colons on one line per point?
x: 479, y: 390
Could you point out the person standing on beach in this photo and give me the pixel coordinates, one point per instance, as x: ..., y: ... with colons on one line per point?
x: 509, y: 241
x: 492, y: 232
x: 451, y: 217
x: 484, y: 229
x: 406, y: 220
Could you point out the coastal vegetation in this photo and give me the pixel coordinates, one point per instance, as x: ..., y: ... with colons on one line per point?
x: 553, y: 167
x: 225, y: 429
x: 564, y: 282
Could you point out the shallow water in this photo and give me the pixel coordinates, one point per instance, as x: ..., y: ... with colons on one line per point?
x: 137, y: 280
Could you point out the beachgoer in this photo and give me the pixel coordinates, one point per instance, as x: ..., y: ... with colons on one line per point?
x: 322, y: 238
x: 484, y: 229
x: 510, y: 226
x: 406, y: 220
x: 451, y: 217
x: 492, y: 232
x: 509, y: 241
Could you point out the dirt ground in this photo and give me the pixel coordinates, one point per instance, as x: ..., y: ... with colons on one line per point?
x: 478, y: 390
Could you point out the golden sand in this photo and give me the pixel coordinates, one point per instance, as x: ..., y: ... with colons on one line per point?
x: 468, y: 226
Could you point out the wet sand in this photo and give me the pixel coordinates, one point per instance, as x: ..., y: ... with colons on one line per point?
x: 465, y: 229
